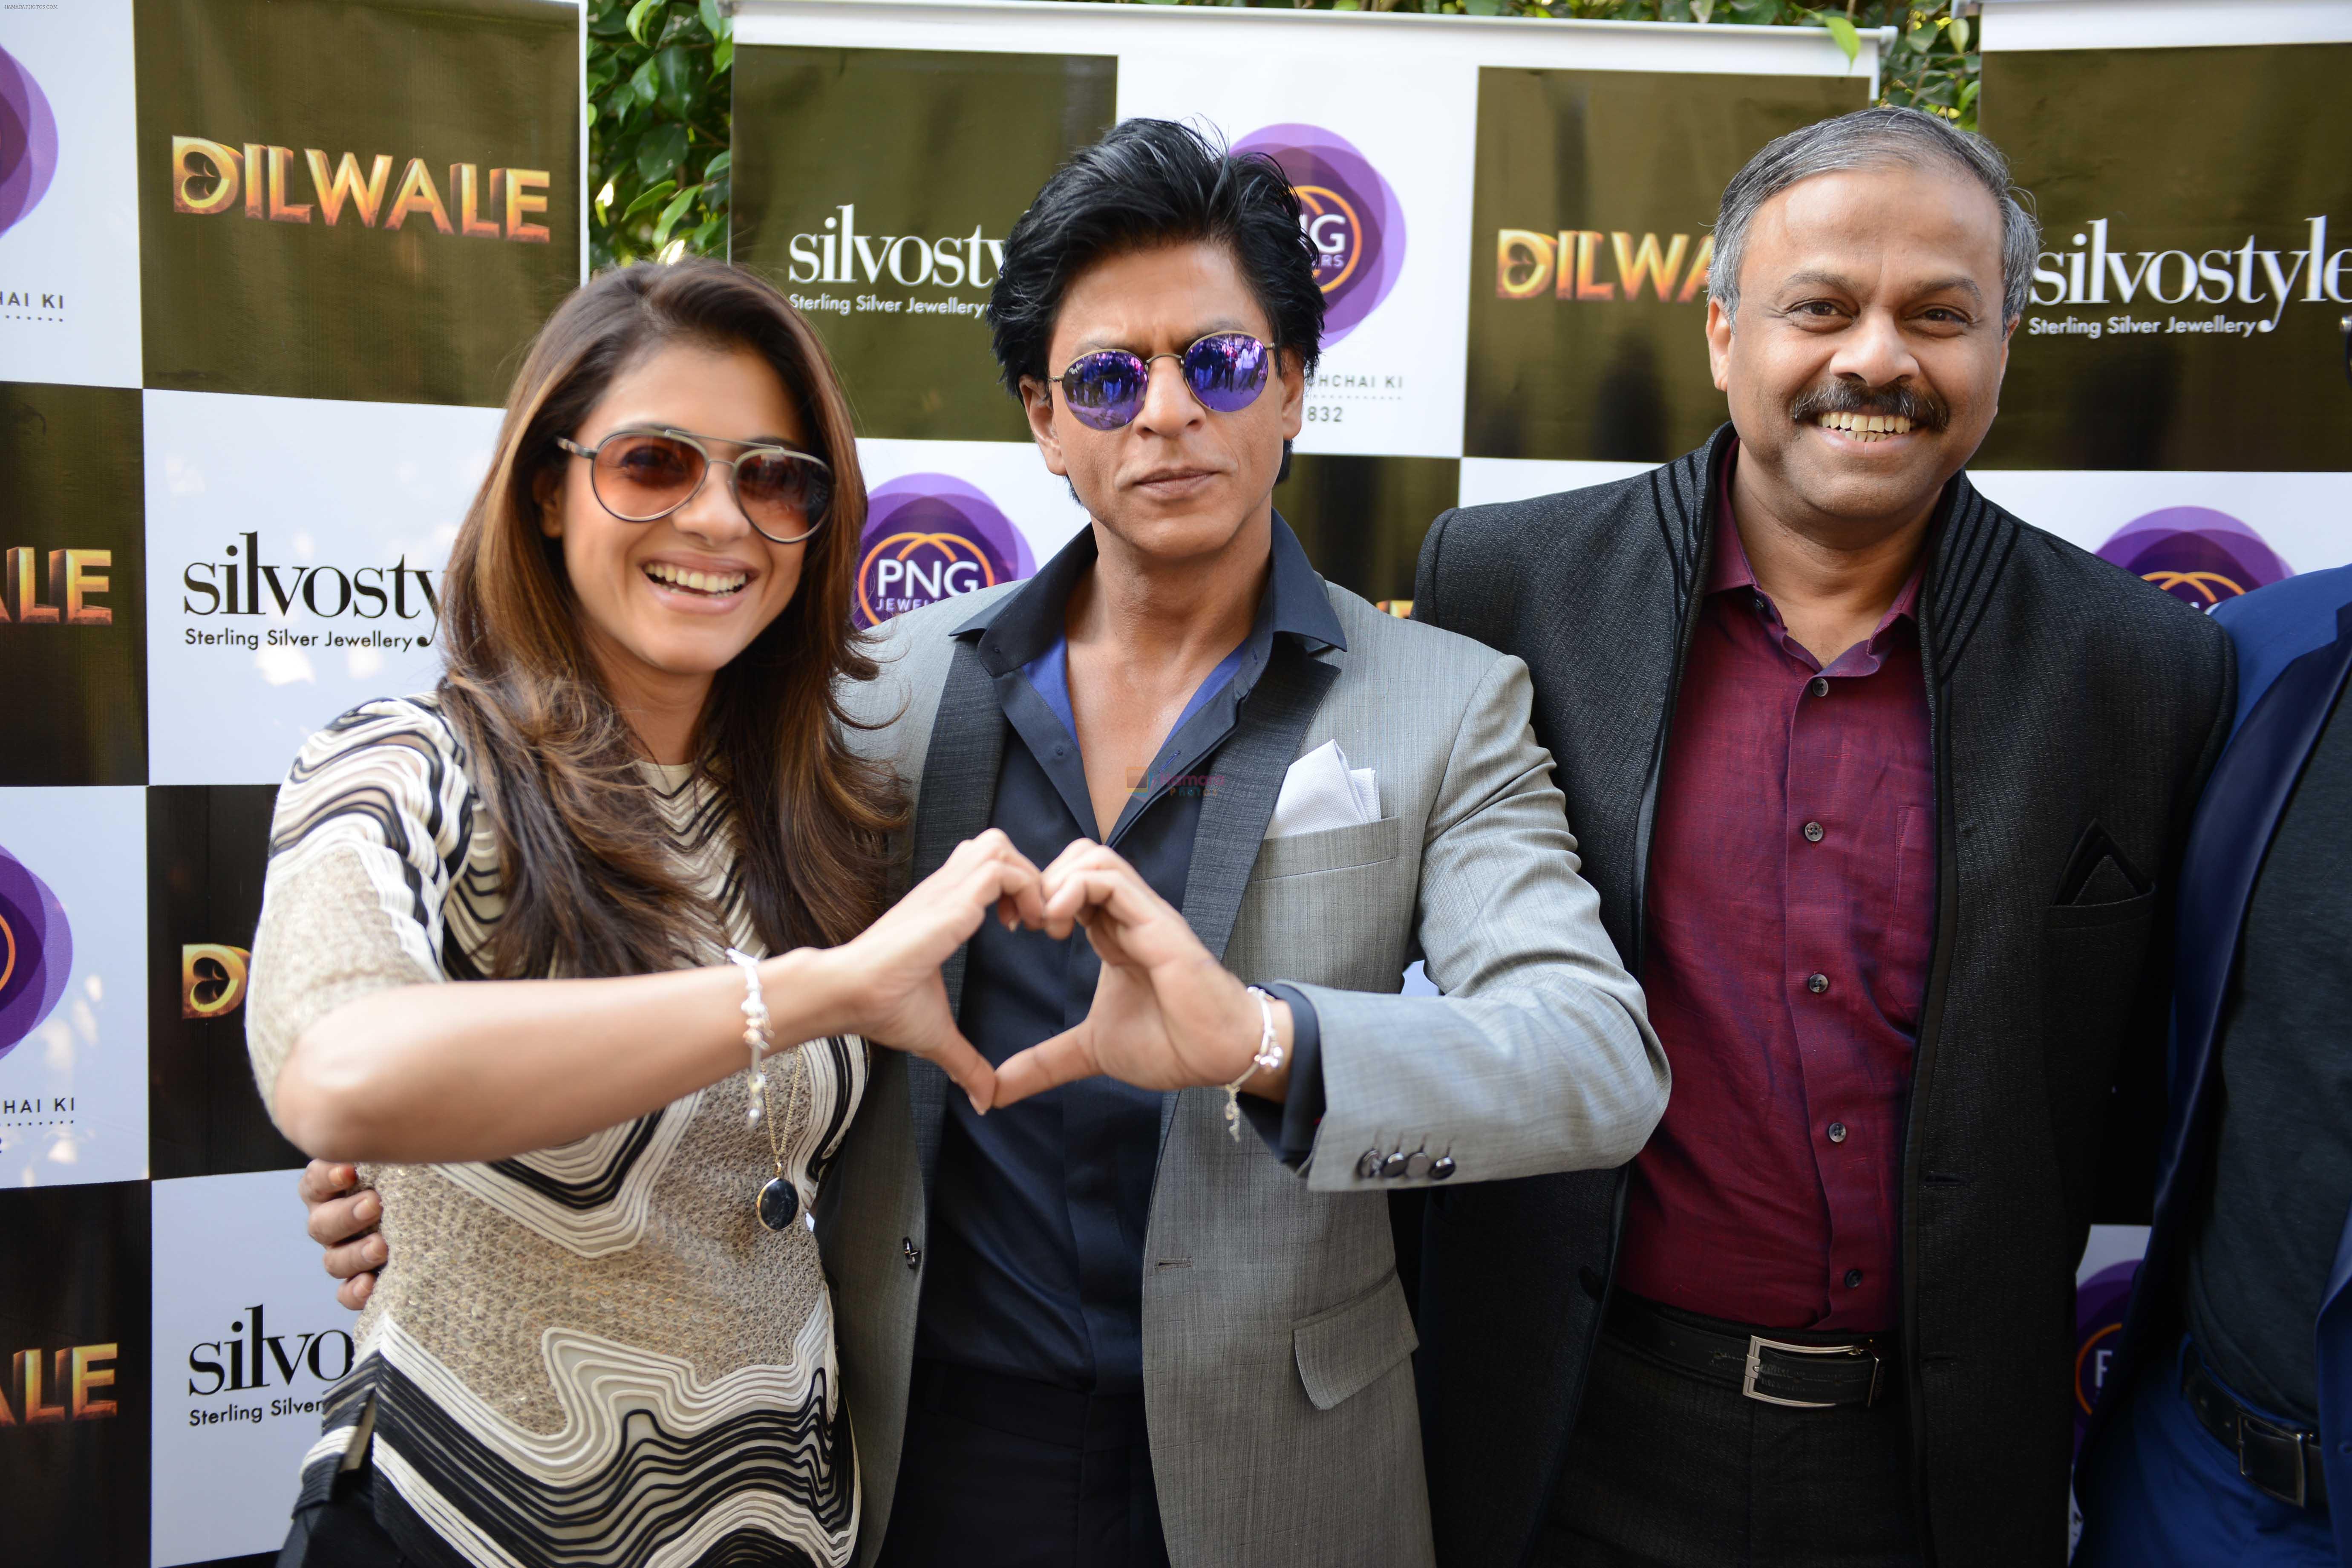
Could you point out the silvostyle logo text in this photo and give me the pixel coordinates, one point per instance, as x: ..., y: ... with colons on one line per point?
x: 243, y: 583
x: 242, y: 1362
x: 208, y: 177
x: 2097, y: 271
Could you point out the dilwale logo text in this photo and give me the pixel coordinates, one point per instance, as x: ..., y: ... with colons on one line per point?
x: 208, y: 178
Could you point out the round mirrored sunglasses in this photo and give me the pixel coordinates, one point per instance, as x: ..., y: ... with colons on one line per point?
x: 641, y: 476
x: 1225, y: 370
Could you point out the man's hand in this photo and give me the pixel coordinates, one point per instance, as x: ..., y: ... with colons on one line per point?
x: 890, y: 973
x: 1166, y: 1014
x: 343, y: 1216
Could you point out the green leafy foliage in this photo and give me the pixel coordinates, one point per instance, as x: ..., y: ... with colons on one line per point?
x: 658, y: 130
x: 659, y: 90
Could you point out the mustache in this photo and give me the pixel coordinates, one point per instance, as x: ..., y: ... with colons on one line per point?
x: 1919, y: 405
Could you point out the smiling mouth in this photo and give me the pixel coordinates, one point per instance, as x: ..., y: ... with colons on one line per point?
x: 711, y: 585
x: 1866, y: 427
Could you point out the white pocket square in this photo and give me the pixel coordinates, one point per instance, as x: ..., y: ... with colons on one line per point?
x: 1321, y: 792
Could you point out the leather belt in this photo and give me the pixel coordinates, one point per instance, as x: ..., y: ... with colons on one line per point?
x: 2282, y: 1461
x: 1765, y: 1364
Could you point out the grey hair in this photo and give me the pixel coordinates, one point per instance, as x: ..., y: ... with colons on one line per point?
x: 1875, y: 139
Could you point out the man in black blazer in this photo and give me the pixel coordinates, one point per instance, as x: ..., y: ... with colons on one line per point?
x: 1883, y: 790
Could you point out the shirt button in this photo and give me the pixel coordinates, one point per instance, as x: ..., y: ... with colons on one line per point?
x: 1820, y: 686
x: 1852, y: 1279
x: 1837, y: 1131
x: 1815, y: 831
x: 1816, y: 983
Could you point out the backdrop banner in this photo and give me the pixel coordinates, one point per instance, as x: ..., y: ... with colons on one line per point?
x: 265, y: 268
x: 883, y: 151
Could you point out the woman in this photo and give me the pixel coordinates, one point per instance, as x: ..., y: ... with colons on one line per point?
x: 607, y: 1339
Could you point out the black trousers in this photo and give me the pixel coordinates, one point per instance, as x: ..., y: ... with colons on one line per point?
x: 1003, y: 1472
x: 342, y: 1532
x: 1668, y: 1471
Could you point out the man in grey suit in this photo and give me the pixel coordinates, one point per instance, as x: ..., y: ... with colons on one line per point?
x: 1103, y: 1322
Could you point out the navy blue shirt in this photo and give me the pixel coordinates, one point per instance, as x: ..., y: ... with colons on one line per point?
x: 1038, y: 1209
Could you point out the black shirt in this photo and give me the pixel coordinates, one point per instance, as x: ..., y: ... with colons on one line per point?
x: 2282, y: 1162
x: 1038, y: 1210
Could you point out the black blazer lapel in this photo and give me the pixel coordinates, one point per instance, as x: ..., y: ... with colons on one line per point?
x: 1249, y: 770
x: 2226, y: 842
x: 953, y: 802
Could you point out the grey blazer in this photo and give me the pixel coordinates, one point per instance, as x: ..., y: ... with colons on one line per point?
x: 1278, y: 1381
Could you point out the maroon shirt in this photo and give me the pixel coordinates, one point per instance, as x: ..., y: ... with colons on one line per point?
x: 1791, y: 904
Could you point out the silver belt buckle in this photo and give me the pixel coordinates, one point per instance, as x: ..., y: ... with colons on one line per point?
x: 2292, y: 1437
x: 1757, y: 1344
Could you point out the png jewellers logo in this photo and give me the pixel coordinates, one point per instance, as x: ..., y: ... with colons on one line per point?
x: 28, y: 141
x: 36, y: 952
x: 2099, y: 1304
x: 929, y: 537
x: 2196, y: 555
x: 1348, y: 210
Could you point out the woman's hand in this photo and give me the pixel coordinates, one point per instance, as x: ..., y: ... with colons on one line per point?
x: 1166, y: 1014
x: 343, y: 1219
x: 889, y: 974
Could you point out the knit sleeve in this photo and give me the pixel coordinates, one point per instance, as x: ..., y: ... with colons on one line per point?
x: 371, y: 833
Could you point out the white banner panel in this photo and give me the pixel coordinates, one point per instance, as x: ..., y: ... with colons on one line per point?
x: 73, y: 985
x: 2305, y: 517
x: 2162, y: 23
x: 248, y: 1338
x: 1381, y: 165
x: 69, y: 207
x: 292, y: 577
x: 946, y: 517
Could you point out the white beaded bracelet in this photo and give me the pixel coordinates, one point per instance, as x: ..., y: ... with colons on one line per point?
x: 756, y: 1034
x: 1268, y: 1060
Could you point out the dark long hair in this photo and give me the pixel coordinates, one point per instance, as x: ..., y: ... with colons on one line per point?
x: 590, y: 883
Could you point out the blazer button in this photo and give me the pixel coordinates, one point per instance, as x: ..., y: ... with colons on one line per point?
x: 1441, y: 1167
x: 1416, y: 1164
x: 914, y: 1253
x: 1393, y: 1167
x: 1368, y: 1166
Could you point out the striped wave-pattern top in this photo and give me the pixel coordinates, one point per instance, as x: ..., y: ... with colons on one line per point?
x: 593, y: 1355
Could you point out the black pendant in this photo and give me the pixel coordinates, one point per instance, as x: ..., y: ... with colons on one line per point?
x: 779, y: 1205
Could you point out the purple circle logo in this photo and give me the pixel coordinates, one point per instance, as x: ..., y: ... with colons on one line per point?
x: 1350, y: 214
x: 28, y: 141
x: 2099, y: 1303
x: 929, y: 537
x: 36, y: 952
x: 2195, y: 554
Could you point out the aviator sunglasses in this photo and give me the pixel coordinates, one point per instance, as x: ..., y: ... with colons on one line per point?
x: 641, y: 476
x: 1225, y: 370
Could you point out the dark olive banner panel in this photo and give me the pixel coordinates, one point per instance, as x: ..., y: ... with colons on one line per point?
x: 376, y: 202
x: 1362, y: 519
x: 207, y: 848
x: 1590, y: 242
x: 875, y: 187
x: 74, y: 1376
x: 73, y: 641
x: 2197, y: 257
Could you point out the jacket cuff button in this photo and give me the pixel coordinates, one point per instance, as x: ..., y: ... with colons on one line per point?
x: 1441, y: 1167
